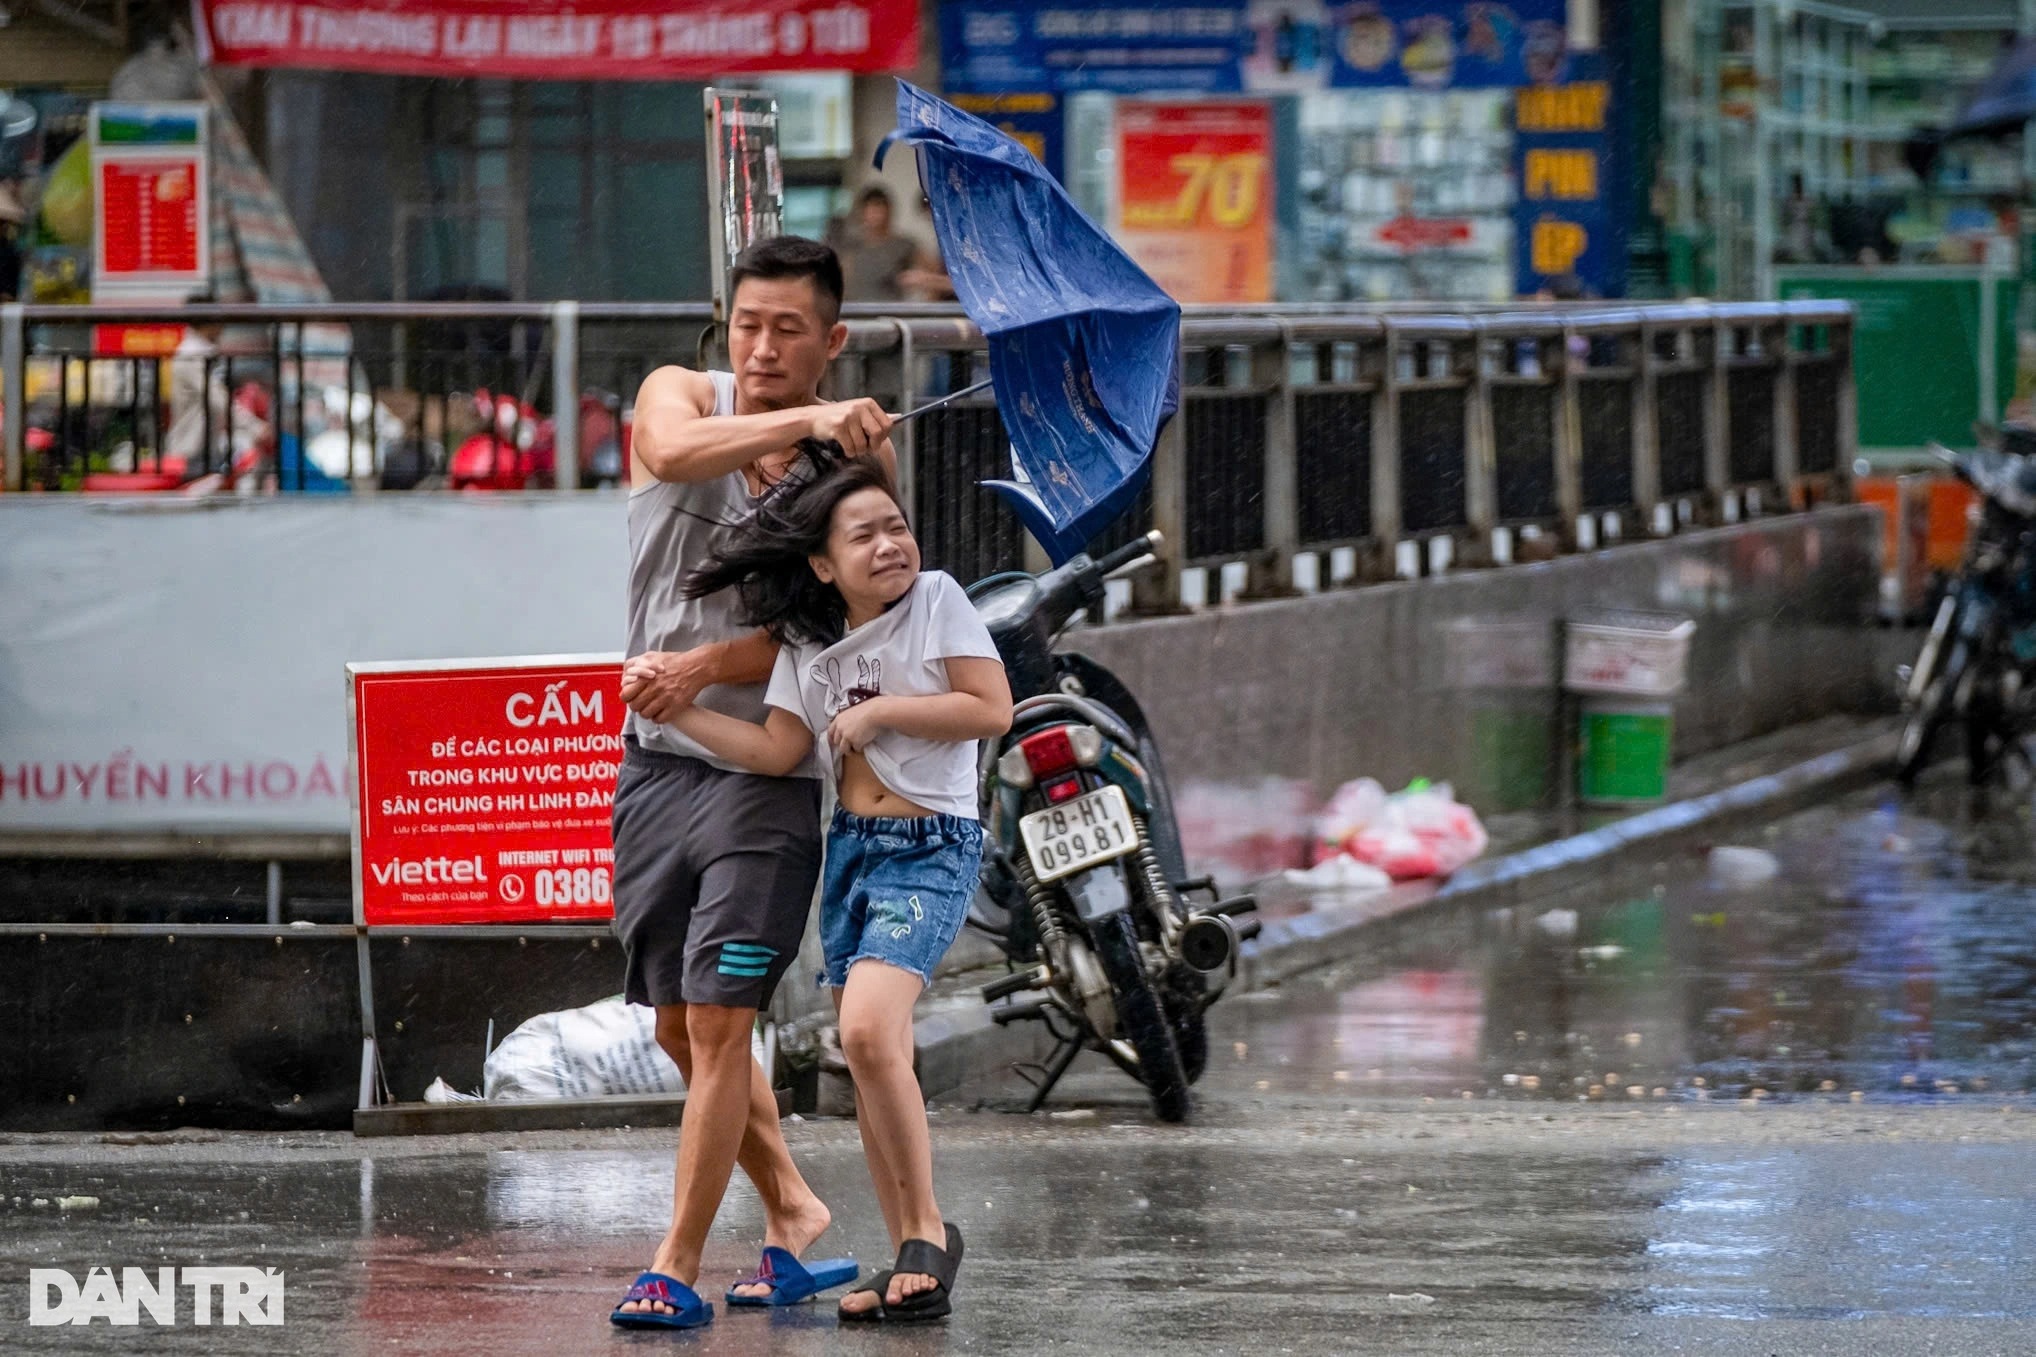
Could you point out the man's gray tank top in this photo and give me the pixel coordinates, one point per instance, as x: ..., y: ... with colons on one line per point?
x: 671, y: 529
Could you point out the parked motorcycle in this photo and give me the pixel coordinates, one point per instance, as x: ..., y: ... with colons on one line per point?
x: 1083, y: 877
x: 517, y: 446
x: 1977, y: 660
x: 511, y: 451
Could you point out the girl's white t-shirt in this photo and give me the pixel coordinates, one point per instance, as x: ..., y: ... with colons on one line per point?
x: 903, y: 653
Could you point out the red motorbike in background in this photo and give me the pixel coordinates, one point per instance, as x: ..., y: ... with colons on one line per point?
x: 517, y: 449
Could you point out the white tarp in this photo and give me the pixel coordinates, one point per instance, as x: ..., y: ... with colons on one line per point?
x: 180, y: 665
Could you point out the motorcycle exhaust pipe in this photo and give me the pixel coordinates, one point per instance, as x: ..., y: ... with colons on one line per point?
x: 1209, y: 943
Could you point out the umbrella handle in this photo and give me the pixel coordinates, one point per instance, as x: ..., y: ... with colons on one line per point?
x: 983, y: 385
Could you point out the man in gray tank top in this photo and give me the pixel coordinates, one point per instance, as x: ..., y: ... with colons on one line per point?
x: 715, y: 867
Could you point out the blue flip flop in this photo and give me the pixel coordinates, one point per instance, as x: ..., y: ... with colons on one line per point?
x: 791, y: 1281
x: 690, y: 1311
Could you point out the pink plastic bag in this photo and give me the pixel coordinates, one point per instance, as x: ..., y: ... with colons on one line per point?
x: 1354, y: 806
x: 1421, y: 832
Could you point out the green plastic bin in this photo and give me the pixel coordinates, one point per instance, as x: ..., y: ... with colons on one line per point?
x: 1512, y: 752
x: 1623, y: 754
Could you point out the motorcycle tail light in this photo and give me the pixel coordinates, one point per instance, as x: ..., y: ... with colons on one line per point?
x: 1013, y: 770
x: 1060, y: 749
x: 1067, y: 789
x: 1049, y: 752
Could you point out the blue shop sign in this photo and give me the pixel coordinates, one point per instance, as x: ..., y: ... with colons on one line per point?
x: 1031, y: 119
x: 1257, y: 46
x: 1566, y: 219
x: 992, y: 47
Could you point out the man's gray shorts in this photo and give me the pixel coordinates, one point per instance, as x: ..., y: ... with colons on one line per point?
x: 714, y: 876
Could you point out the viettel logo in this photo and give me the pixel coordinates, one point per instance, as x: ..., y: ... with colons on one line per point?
x: 244, y: 1295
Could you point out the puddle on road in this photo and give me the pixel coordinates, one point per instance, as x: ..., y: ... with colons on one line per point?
x: 1893, y: 953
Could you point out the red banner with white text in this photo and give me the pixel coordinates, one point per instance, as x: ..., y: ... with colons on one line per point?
x: 539, y: 40
x: 483, y: 791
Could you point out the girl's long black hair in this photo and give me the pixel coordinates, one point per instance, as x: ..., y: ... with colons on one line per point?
x: 765, y: 557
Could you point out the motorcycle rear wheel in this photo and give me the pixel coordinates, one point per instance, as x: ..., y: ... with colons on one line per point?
x: 1988, y: 732
x: 1933, y: 709
x: 1183, y: 994
x: 1141, y: 1018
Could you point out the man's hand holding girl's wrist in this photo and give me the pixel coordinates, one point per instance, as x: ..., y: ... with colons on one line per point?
x: 659, y: 684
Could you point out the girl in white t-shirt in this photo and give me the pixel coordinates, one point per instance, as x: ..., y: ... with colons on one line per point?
x: 893, y: 669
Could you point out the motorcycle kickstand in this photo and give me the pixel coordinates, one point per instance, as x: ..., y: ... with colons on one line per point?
x: 1063, y: 1056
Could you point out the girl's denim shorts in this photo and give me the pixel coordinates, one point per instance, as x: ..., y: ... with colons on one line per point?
x: 896, y: 890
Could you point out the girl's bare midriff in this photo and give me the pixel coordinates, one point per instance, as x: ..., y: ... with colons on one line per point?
x: 861, y: 793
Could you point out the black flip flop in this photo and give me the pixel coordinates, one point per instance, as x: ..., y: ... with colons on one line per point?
x: 921, y: 1258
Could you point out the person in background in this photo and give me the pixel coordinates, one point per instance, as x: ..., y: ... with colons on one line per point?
x: 200, y: 405
x: 878, y: 265
x: 928, y: 280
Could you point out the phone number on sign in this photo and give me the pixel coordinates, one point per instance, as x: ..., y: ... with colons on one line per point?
x: 563, y: 886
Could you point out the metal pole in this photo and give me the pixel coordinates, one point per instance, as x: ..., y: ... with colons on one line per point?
x: 565, y: 394
x: 907, y: 450
x: 369, y: 1055
x: 1646, y: 430
x: 1718, y: 432
x: 1272, y: 570
x: 1158, y: 590
x: 1385, y: 456
x: 1569, y: 439
x: 1788, y: 457
x: 1480, y: 450
x: 275, y: 894
x: 14, y: 395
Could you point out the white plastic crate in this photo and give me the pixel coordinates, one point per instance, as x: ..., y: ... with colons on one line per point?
x: 1492, y: 653
x: 1633, y: 654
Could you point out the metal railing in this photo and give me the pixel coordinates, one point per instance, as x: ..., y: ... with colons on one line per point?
x: 1314, y: 444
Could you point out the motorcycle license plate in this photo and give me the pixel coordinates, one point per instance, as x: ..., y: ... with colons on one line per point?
x: 1094, y: 827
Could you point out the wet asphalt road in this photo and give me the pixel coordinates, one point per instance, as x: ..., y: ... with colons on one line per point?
x: 1436, y: 1149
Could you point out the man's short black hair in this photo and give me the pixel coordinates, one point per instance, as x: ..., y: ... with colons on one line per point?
x: 792, y: 257
x: 875, y: 193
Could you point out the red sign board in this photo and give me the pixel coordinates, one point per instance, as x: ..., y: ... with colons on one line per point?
x: 151, y: 210
x: 540, y: 40
x: 136, y: 341
x: 1415, y: 233
x: 1195, y: 194
x: 484, y: 791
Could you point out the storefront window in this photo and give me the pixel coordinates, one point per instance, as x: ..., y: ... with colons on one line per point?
x: 539, y: 189
x: 1387, y: 167
x: 1404, y: 194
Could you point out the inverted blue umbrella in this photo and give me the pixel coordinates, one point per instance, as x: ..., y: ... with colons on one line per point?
x: 1084, y: 347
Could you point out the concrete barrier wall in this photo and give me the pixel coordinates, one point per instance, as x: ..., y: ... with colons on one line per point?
x: 1264, y: 709
x: 178, y: 668
x: 1261, y: 710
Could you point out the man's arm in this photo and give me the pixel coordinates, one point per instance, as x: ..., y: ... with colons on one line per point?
x: 677, y: 436
x: 748, y: 659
